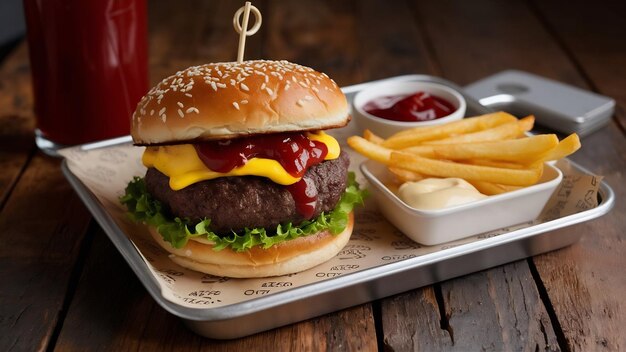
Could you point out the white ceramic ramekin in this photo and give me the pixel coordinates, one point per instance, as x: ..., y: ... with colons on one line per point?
x: 386, y: 128
x: 431, y: 227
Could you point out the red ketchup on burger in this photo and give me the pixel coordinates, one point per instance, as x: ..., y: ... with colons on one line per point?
x: 293, y: 151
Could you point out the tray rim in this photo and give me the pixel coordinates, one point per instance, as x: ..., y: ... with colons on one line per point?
x: 236, y: 310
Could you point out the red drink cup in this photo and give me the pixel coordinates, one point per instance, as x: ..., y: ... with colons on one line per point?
x: 89, y: 67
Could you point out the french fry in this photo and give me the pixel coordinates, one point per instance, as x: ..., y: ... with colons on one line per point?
x: 418, y: 135
x: 508, y: 130
x: 527, y: 123
x: 521, y: 150
x: 369, y: 149
x: 492, y: 152
x: 491, y: 189
x: 513, y: 177
x: 370, y: 136
x: 495, y: 163
x: 405, y: 175
x: 427, y: 151
x: 566, y: 147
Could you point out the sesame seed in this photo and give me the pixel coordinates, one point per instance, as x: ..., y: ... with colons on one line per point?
x: 151, y: 112
x: 180, y: 113
x: 162, y: 111
x: 232, y: 82
x: 308, y: 97
x: 221, y: 85
x: 244, y: 102
x: 236, y: 105
x: 315, y: 89
x: 214, y: 86
x: 190, y: 110
x: 263, y: 86
x: 180, y: 104
x: 269, y: 91
x: 245, y: 87
x: 287, y: 86
x: 163, y: 118
x: 300, y: 102
x: 188, y: 95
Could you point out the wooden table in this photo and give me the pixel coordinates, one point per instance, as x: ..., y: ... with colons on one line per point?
x: 63, y: 286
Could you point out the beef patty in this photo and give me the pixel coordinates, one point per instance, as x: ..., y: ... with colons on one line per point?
x: 236, y: 202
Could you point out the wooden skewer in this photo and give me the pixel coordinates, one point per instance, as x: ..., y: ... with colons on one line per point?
x: 242, y: 28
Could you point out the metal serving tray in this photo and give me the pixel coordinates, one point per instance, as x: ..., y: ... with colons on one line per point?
x: 304, y: 302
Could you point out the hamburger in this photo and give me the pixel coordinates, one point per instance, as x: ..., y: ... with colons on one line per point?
x: 242, y: 180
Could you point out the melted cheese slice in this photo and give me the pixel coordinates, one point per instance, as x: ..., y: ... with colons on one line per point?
x: 183, y: 166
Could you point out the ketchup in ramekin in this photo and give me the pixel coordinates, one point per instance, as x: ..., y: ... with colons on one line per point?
x: 420, y: 106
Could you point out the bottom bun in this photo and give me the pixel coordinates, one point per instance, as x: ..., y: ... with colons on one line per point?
x: 284, y: 258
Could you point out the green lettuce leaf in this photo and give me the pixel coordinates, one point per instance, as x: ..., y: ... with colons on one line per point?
x: 142, y: 207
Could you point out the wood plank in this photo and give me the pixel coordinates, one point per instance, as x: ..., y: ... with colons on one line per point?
x: 597, y: 46
x: 494, y: 310
x: 17, y: 141
x: 597, y: 313
x: 90, y: 323
x: 110, y: 308
x: 386, y: 50
x: 506, y: 293
x: 412, y: 322
x: 41, y: 230
x: 40, y: 240
x: 586, y: 294
x: 317, y: 34
x: 476, y: 39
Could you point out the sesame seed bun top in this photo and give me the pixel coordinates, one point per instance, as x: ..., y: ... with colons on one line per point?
x: 228, y: 100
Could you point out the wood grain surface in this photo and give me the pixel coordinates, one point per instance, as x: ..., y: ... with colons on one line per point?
x: 42, y: 226
x: 593, y: 317
x: 63, y: 285
x: 16, y: 120
x: 42, y: 221
x: 587, y: 320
